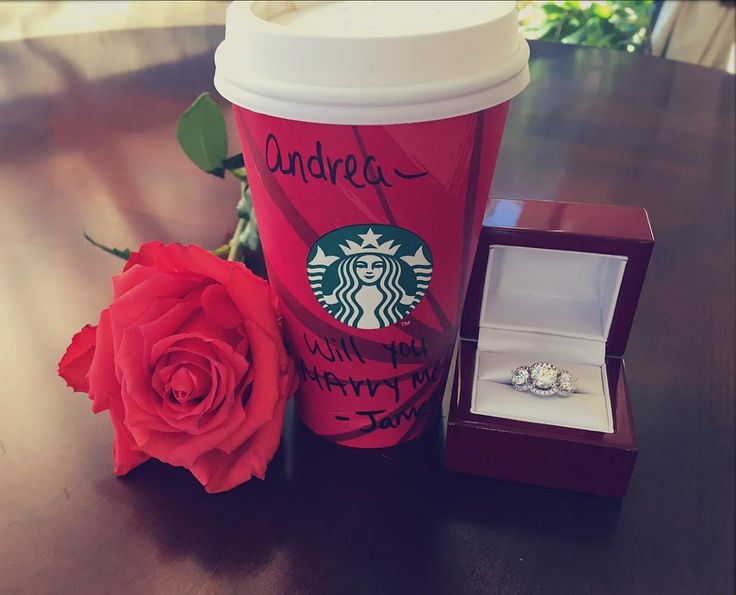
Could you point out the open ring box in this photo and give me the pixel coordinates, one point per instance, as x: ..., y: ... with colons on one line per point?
x: 552, y: 282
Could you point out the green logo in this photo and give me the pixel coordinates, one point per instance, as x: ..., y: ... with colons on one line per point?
x: 369, y: 276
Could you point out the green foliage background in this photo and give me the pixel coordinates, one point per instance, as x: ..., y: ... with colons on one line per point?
x: 615, y: 24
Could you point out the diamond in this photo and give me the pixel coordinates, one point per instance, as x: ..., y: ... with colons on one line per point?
x: 544, y: 375
x: 520, y: 378
x: 566, y: 380
x: 566, y: 384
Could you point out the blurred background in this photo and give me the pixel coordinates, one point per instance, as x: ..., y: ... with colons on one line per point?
x: 700, y: 32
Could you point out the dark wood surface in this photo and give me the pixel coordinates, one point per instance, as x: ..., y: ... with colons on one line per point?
x: 87, y: 142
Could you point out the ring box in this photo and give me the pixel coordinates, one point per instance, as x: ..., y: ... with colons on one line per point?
x: 554, y: 282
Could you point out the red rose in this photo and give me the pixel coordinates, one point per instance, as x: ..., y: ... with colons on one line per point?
x: 190, y: 363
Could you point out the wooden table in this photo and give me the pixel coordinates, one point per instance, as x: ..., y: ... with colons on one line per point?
x: 87, y: 142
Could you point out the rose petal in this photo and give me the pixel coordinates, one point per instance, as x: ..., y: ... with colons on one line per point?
x: 144, y: 255
x: 221, y: 413
x: 254, y: 301
x: 74, y: 364
x: 202, y: 381
x: 215, y: 406
x: 182, y: 385
x: 142, y: 402
x: 219, y: 307
x: 265, y: 391
x: 166, y: 316
x: 182, y: 346
x: 182, y: 355
x: 126, y: 456
x: 103, y: 383
x: 131, y: 278
x: 219, y: 471
x: 154, y: 427
x: 251, y: 294
x: 157, y: 297
x: 202, y: 325
x: 161, y: 381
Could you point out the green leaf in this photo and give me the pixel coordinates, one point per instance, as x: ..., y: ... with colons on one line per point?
x: 124, y: 254
x: 573, y: 5
x: 575, y: 37
x: 602, y: 10
x: 551, y: 9
x: 540, y: 33
x: 234, y: 162
x: 202, y: 135
x: 236, y: 166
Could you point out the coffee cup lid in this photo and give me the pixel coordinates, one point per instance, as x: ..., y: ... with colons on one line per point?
x: 361, y: 62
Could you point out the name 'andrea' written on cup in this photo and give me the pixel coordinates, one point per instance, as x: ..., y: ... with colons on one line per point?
x: 359, y: 171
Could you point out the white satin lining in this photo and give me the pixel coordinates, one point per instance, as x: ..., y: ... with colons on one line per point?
x: 589, y: 408
x: 547, y: 305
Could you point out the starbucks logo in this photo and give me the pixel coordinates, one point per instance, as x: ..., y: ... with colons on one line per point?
x: 369, y: 276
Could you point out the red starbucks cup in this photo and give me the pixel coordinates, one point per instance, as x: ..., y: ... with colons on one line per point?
x: 370, y: 132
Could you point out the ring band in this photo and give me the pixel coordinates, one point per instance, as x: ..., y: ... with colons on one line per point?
x: 544, y: 379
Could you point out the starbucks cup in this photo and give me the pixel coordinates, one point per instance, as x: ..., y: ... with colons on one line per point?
x: 370, y: 132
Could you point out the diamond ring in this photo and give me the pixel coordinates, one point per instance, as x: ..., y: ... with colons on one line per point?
x: 544, y: 379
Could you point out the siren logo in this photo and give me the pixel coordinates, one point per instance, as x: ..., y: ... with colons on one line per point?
x: 369, y: 276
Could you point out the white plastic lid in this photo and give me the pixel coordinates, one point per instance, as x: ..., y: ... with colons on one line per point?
x: 380, y: 62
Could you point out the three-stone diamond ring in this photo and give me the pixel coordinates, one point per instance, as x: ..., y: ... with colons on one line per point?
x: 544, y: 379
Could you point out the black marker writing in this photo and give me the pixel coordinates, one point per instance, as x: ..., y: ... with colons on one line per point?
x: 396, y: 419
x: 404, y: 350
x: 332, y: 350
x: 329, y: 382
x: 357, y: 171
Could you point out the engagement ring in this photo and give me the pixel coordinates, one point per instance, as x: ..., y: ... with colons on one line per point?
x: 543, y: 379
